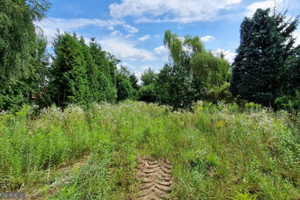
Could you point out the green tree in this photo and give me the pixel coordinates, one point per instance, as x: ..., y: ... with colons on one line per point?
x: 124, y: 87
x: 105, y: 72
x: 147, y: 93
x: 174, y: 87
x: 193, y: 70
x: 148, y: 77
x: 17, y: 32
x: 201, y: 64
x: 69, y: 82
x: 21, y: 51
x: 266, y: 43
x: 134, y: 81
x: 290, y: 93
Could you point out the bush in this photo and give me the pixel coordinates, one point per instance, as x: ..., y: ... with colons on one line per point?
x: 147, y: 93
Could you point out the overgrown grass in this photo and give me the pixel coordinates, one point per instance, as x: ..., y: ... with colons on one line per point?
x: 218, y: 152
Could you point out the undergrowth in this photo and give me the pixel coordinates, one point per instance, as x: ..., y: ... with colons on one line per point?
x: 218, y: 152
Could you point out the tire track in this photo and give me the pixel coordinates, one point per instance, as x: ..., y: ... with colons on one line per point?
x: 156, y: 179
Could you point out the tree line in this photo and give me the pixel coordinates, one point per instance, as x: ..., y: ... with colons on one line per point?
x: 266, y: 69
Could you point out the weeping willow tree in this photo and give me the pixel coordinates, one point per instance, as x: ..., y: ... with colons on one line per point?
x: 192, y: 73
x: 201, y: 64
x: 22, y: 51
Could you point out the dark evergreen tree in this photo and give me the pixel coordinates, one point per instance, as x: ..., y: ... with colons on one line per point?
x: 69, y: 82
x: 290, y: 93
x: 266, y: 42
x: 124, y: 87
x: 105, y: 73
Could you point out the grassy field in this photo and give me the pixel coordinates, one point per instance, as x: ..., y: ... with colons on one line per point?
x: 217, y: 152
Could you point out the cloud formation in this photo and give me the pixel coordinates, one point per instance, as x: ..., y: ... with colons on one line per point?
x: 297, y: 37
x: 162, y: 53
x: 278, y: 4
x: 125, y: 49
x: 144, y: 38
x: 207, y: 38
x: 170, y: 11
x: 228, y: 55
x: 51, y: 25
x: 130, y: 29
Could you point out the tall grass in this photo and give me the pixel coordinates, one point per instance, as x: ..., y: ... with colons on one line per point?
x: 218, y: 152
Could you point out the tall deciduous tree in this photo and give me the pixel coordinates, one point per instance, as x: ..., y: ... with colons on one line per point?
x: 21, y: 50
x: 266, y: 43
x: 190, y: 53
x: 192, y: 69
x: 17, y: 32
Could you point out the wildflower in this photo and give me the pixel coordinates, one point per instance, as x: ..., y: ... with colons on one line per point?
x: 220, y: 123
x: 199, y: 108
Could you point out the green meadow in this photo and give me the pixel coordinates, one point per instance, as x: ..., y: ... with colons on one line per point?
x: 217, y: 151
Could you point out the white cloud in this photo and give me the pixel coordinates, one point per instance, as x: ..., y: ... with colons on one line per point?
x: 296, y: 34
x: 130, y: 29
x: 128, y: 35
x: 170, y: 11
x: 51, y: 25
x: 264, y: 5
x: 228, y: 55
x: 115, y: 33
x: 144, y: 38
x: 111, y: 28
x: 162, y: 53
x: 125, y: 49
x: 207, y: 38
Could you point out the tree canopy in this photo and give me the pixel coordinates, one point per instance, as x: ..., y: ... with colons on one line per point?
x: 266, y: 43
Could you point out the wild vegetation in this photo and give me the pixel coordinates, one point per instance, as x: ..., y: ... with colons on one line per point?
x: 218, y: 151
x: 74, y: 126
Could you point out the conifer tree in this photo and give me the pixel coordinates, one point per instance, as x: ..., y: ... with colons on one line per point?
x: 266, y: 42
x: 69, y: 82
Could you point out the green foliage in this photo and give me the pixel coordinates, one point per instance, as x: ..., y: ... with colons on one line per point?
x: 174, y: 87
x: 201, y: 64
x: 243, y: 196
x: 124, y: 87
x: 253, y: 107
x: 193, y: 71
x: 69, y: 82
x: 105, y: 74
x: 259, y: 70
x: 216, y: 151
x: 217, y: 94
x: 148, y: 77
x: 22, y: 52
x: 125, y: 90
x: 134, y: 82
x: 80, y: 73
x: 147, y: 93
x: 17, y: 33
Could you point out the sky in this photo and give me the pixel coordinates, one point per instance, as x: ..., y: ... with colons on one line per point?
x: 133, y: 30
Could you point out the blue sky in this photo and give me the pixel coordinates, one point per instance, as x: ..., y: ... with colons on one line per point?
x: 133, y: 30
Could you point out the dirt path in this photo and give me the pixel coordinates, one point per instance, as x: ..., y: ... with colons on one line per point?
x: 156, y: 179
